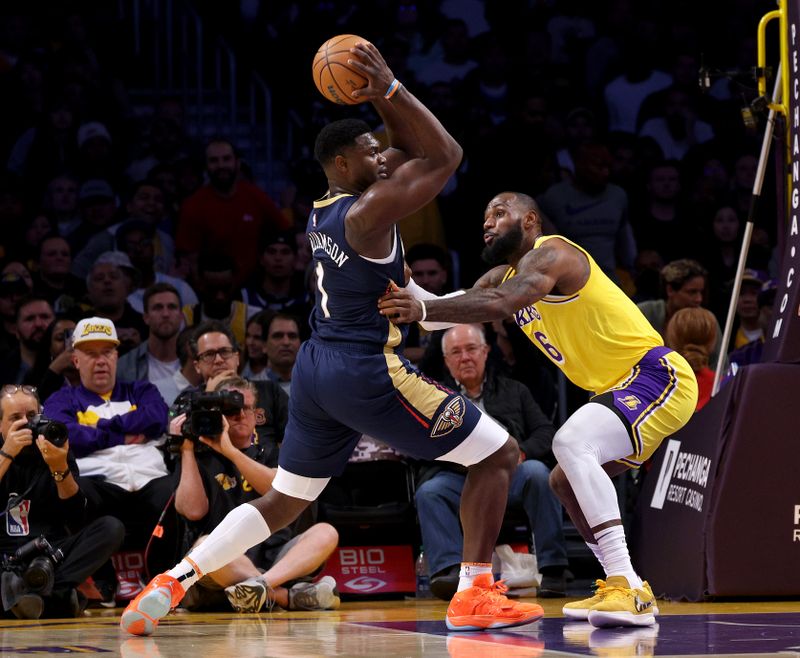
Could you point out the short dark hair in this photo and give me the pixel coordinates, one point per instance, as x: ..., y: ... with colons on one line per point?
x: 156, y: 288
x: 209, y: 327
x: 30, y: 299
x: 214, y: 262
x: 428, y: 251
x: 281, y: 316
x: 336, y: 136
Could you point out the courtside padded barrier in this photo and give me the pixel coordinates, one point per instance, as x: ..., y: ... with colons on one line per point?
x: 719, y: 511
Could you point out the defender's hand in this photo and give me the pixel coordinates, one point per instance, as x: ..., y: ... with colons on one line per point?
x: 400, y: 306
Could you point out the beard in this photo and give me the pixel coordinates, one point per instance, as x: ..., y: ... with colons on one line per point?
x: 222, y: 179
x: 503, y: 247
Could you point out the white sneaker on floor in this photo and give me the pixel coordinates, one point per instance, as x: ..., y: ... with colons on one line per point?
x: 321, y: 595
x: 247, y: 596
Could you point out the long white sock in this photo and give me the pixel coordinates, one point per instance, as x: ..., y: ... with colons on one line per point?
x: 614, y: 548
x: 594, y: 548
x: 242, y: 528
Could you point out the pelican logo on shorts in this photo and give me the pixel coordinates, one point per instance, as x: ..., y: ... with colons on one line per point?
x: 631, y: 401
x: 450, y: 419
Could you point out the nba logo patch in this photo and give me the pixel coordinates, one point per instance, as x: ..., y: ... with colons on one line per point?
x: 631, y: 401
x: 451, y: 418
x: 17, y: 518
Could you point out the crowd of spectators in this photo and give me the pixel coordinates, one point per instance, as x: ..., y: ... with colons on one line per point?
x: 592, y: 108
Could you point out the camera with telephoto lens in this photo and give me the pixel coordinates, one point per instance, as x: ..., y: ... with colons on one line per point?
x: 204, y: 412
x: 52, y: 430
x: 35, y: 562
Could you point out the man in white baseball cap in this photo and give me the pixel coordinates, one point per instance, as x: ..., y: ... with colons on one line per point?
x: 114, y: 431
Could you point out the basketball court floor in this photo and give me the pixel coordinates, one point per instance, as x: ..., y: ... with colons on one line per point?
x: 390, y: 629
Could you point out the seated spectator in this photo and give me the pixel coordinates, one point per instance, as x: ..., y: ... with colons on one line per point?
x: 679, y: 128
x: 53, y: 280
x: 97, y: 206
x: 254, y: 356
x: 430, y: 269
x: 136, y: 238
x: 157, y: 357
x: 61, y: 203
x: 692, y: 332
x: 217, y: 288
x: 33, y: 316
x: 683, y: 284
x: 227, y: 215
x: 439, y: 490
x: 751, y: 352
x: 281, y: 347
x: 38, y: 479
x: 749, y: 321
x: 186, y: 376
x: 221, y: 472
x: 13, y: 289
x: 145, y: 205
x: 115, y: 428
x: 53, y: 367
x: 277, y: 285
x: 108, y: 285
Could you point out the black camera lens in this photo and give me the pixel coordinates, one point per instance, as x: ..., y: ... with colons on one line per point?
x: 40, y: 575
x: 56, y: 433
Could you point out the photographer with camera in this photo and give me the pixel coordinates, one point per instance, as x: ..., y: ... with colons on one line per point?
x: 221, y: 471
x: 116, y: 429
x: 42, y: 562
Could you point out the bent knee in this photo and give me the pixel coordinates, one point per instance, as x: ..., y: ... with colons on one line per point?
x: 559, y: 483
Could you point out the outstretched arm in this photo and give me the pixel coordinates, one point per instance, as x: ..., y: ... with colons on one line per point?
x: 541, y: 270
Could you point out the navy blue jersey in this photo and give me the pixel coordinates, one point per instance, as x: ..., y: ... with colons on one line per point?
x: 348, y: 285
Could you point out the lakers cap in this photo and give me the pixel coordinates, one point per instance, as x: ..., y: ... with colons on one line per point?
x: 90, y: 329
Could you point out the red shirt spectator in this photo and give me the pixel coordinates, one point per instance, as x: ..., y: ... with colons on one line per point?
x: 228, y: 214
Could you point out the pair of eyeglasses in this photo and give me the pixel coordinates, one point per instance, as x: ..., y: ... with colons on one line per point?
x: 11, y: 389
x: 209, y: 355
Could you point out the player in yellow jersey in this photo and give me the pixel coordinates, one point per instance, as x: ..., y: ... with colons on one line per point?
x: 590, y: 329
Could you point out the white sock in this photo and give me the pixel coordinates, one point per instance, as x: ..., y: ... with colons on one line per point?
x: 594, y: 548
x: 611, y: 543
x: 468, y: 572
x: 242, y: 528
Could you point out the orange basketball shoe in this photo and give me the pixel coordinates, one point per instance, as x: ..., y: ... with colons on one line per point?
x: 484, y: 606
x: 154, y: 602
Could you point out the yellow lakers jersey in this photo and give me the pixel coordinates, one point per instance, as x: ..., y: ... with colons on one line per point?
x: 595, y: 335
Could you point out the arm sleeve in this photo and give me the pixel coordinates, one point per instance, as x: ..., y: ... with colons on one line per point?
x: 423, y: 295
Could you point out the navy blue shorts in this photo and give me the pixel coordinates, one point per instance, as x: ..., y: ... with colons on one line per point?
x: 341, y: 391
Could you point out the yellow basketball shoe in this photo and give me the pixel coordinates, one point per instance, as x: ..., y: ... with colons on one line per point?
x: 580, y: 609
x: 623, y: 605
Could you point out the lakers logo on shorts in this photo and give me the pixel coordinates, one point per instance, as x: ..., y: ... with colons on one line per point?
x: 451, y: 418
x: 631, y: 401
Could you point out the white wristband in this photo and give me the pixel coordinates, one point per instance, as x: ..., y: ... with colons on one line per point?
x: 424, y: 311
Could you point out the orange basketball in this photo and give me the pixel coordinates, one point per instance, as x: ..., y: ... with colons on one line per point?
x: 333, y: 77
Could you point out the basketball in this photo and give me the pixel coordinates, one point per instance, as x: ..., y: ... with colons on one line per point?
x: 333, y: 77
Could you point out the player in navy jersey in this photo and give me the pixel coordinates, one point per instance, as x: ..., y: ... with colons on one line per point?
x: 351, y: 379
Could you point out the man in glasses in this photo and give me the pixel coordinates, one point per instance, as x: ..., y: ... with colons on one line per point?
x: 237, y: 469
x: 439, y: 484
x: 39, y: 490
x: 114, y: 428
x: 216, y: 357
